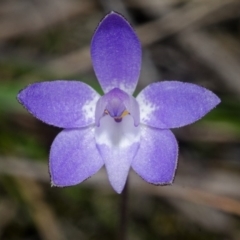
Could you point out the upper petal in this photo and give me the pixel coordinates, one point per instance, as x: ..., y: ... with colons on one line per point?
x: 66, y: 104
x: 173, y: 104
x: 156, y: 158
x: 118, y: 143
x: 116, y: 54
x: 74, y: 157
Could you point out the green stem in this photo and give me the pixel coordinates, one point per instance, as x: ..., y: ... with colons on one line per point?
x: 123, y: 213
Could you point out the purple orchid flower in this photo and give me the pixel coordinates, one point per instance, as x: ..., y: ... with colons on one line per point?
x: 116, y: 129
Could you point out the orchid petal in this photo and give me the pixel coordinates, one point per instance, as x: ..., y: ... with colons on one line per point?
x: 156, y: 158
x: 74, y: 157
x: 117, y: 143
x: 116, y: 54
x: 172, y: 104
x: 65, y: 104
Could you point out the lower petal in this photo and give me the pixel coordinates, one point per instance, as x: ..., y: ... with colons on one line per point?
x: 156, y: 158
x: 74, y: 157
x: 117, y: 143
x: 118, y: 162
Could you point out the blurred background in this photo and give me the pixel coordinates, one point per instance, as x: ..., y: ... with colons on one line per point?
x: 196, y: 41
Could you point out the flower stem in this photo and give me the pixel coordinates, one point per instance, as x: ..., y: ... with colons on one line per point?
x: 123, y: 213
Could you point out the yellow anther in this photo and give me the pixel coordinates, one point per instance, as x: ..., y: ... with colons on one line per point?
x: 125, y: 113
x: 119, y: 118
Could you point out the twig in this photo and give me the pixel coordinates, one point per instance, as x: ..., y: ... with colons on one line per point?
x: 189, y: 16
x: 7, y: 213
x: 44, y: 15
x: 214, y: 55
x: 41, y: 213
x: 198, y: 190
x: 149, y: 33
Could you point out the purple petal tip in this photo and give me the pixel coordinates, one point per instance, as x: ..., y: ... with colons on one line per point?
x: 116, y: 54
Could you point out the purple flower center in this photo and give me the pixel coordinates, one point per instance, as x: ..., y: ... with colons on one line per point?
x: 116, y: 103
x: 117, y: 117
